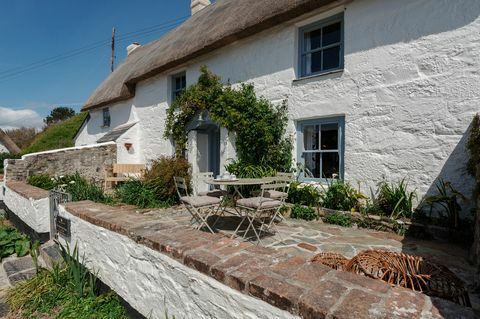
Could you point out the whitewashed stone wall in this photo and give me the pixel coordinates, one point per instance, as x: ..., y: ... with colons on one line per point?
x: 409, y: 90
x: 3, y: 149
x: 33, y: 212
x: 152, y: 282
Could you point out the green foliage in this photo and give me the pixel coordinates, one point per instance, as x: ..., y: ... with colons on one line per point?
x: 12, y: 241
x: 447, y: 200
x: 303, y: 212
x: 394, y: 200
x: 159, y: 177
x: 340, y: 195
x: 140, y: 194
x: 59, y: 114
x: 338, y: 219
x: 67, y: 291
x: 75, y: 185
x: 4, y: 156
x: 473, y: 145
x: 244, y: 170
x: 56, y: 136
x: 258, y: 124
x: 43, y: 181
x: 303, y: 194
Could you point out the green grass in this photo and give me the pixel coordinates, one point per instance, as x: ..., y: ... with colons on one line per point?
x: 56, y: 136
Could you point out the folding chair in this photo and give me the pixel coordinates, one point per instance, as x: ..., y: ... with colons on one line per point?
x: 255, y: 207
x: 280, y: 178
x: 200, y: 207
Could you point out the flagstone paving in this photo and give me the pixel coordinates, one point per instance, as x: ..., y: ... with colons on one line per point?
x: 298, y: 237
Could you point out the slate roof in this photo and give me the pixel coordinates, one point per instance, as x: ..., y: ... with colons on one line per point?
x: 114, y: 134
x: 215, y: 26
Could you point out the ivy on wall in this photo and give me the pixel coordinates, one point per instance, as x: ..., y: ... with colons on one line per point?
x: 473, y: 145
x: 259, y: 125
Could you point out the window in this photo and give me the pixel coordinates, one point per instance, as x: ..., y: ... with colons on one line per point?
x: 320, y: 146
x: 106, y: 117
x: 321, y: 46
x: 179, y: 83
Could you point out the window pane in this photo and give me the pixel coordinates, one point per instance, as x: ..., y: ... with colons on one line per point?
x: 316, y: 63
x: 329, y: 136
x: 330, y: 165
x: 312, y: 165
x: 331, y: 34
x: 331, y: 58
x: 310, y: 137
x: 313, y: 40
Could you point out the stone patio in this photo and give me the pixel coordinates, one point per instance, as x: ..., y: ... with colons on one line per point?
x: 298, y: 237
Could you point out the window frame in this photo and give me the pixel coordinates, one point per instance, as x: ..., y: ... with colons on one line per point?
x: 105, y: 119
x: 340, y: 121
x: 173, y: 79
x: 302, y: 67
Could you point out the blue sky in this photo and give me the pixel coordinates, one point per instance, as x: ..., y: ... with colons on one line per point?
x: 33, y: 30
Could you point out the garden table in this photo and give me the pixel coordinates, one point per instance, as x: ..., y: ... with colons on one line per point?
x: 236, y: 184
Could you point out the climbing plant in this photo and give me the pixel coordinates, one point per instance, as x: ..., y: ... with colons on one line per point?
x: 473, y: 145
x: 259, y: 126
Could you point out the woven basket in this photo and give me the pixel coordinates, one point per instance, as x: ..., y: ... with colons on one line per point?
x: 411, y: 272
x: 332, y: 260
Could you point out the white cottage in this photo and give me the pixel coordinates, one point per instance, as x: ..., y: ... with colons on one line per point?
x: 386, y: 87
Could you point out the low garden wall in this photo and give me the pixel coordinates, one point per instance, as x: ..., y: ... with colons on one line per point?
x: 156, y: 265
x: 89, y: 161
x: 28, y: 207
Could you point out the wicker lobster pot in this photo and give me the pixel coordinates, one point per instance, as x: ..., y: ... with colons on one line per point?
x: 411, y: 272
x: 332, y: 260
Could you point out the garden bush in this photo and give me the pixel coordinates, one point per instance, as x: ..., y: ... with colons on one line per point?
x: 66, y: 291
x: 244, y: 170
x: 340, y: 195
x: 338, y: 219
x: 12, y: 241
x: 159, y: 177
x: 303, y: 194
x: 394, y: 200
x: 140, y: 194
x: 303, y: 212
x: 43, y: 181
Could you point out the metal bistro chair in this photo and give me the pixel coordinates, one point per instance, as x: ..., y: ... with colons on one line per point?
x: 280, y: 178
x: 200, y: 207
x: 201, y: 178
x: 257, y: 207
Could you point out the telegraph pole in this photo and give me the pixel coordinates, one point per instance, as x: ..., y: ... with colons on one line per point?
x: 112, y: 63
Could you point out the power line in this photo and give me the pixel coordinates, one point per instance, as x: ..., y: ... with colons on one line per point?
x: 165, y: 26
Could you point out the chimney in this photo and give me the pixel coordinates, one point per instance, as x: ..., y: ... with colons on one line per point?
x: 132, y: 47
x: 197, y: 5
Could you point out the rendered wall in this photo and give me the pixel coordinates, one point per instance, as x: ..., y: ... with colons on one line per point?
x: 409, y: 89
x: 32, y: 210
x: 150, y: 281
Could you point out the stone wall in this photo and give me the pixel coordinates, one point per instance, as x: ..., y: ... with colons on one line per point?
x: 89, y: 161
x: 155, y: 264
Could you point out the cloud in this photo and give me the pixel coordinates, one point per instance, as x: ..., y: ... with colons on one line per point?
x: 10, y: 118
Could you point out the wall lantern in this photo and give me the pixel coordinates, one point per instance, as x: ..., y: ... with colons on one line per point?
x: 128, y: 146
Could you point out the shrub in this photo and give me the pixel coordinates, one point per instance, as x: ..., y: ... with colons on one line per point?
x: 140, y: 194
x: 394, y: 200
x: 159, y: 177
x: 338, y: 219
x: 341, y: 196
x: 244, y: 170
x: 303, y: 194
x: 43, y: 181
x: 303, y: 212
x: 12, y: 241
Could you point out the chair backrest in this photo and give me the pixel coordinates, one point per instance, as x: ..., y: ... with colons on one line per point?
x: 278, y: 185
x: 285, y: 177
x: 181, y: 186
x: 128, y: 168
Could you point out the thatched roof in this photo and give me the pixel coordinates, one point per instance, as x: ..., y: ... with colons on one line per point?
x: 217, y: 25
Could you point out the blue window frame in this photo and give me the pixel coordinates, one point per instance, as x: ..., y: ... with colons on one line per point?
x: 179, y: 84
x: 106, y: 117
x: 321, y: 46
x: 320, y: 148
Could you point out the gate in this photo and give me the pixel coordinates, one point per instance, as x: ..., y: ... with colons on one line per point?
x: 56, y: 198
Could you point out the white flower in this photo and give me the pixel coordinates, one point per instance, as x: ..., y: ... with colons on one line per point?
x: 61, y: 176
x: 63, y: 185
x: 52, y: 179
x: 72, y: 182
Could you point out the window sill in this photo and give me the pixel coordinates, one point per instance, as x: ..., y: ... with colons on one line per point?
x: 313, y: 76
